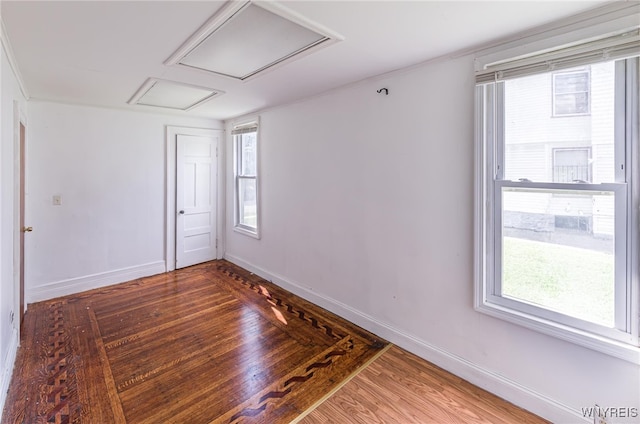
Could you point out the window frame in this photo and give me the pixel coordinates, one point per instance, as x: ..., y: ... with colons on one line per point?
x: 236, y: 140
x: 555, y: 113
x: 622, y: 342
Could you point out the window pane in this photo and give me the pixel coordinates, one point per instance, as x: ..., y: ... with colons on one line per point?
x: 572, y: 83
x: 571, y: 165
x: 571, y: 103
x: 533, y: 132
x: 247, y: 194
x: 558, y: 251
x: 248, y: 154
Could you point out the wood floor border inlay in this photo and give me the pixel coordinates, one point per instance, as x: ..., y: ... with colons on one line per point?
x: 58, y: 398
x: 342, y: 384
x: 257, y: 288
x: 294, y: 380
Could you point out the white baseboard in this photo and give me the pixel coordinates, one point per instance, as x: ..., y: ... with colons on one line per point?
x: 88, y: 282
x: 503, y: 387
x: 7, y: 367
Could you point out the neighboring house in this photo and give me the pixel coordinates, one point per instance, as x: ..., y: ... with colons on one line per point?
x: 559, y: 128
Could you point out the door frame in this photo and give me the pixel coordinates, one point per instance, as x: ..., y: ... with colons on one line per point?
x: 19, y: 250
x: 170, y: 194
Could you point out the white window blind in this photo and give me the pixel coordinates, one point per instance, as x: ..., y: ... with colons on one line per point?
x: 620, y: 46
x: 245, y: 129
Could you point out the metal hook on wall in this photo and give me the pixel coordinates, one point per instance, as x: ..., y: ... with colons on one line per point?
x: 386, y: 91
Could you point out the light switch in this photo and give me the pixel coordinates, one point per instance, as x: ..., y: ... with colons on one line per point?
x: 57, y: 200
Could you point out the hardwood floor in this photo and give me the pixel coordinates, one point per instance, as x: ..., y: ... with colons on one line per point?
x: 399, y: 387
x: 214, y: 343
x: 211, y: 343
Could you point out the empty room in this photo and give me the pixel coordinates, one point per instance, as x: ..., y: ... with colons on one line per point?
x: 258, y: 211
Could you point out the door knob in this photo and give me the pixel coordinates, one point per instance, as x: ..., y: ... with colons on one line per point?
x: 27, y: 229
x: 181, y: 212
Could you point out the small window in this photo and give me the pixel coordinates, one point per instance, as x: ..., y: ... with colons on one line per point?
x: 571, y: 165
x: 245, y: 146
x: 571, y: 93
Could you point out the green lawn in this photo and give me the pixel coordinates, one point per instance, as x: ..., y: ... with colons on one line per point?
x: 576, y: 282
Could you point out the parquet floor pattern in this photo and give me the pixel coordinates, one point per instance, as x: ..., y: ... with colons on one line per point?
x: 209, y: 344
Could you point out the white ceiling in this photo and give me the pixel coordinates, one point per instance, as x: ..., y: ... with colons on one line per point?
x: 100, y: 53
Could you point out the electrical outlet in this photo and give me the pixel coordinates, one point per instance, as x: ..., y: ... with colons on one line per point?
x: 599, y: 416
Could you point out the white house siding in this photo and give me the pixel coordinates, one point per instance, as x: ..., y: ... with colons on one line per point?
x: 602, y: 121
x: 524, y: 160
x: 603, y: 212
x: 533, y: 134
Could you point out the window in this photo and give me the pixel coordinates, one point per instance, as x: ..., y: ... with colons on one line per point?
x: 245, y: 146
x: 571, y: 93
x: 571, y: 165
x: 556, y: 225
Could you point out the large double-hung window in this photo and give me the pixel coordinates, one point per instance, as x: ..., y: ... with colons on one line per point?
x: 557, y: 194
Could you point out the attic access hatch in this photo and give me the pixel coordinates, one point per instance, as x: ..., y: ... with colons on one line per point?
x: 245, y: 39
x: 172, y: 95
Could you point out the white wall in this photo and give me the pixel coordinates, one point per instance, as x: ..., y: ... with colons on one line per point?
x: 367, y: 209
x: 109, y: 168
x: 9, y: 294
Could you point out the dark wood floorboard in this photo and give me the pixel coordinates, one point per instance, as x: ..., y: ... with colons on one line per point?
x: 209, y: 344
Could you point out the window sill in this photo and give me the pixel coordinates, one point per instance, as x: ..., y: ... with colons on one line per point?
x: 569, y: 115
x: 604, y: 345
x: 247, y: 232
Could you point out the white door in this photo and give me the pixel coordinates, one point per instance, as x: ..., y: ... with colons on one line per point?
x: 196, y: 172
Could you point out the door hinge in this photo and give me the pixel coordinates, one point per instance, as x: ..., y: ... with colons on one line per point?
x: 216, y: 243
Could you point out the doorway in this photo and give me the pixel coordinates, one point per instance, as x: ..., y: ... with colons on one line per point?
x: 23, y: 228
x: 196, y: 175
x: 193, y: 192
